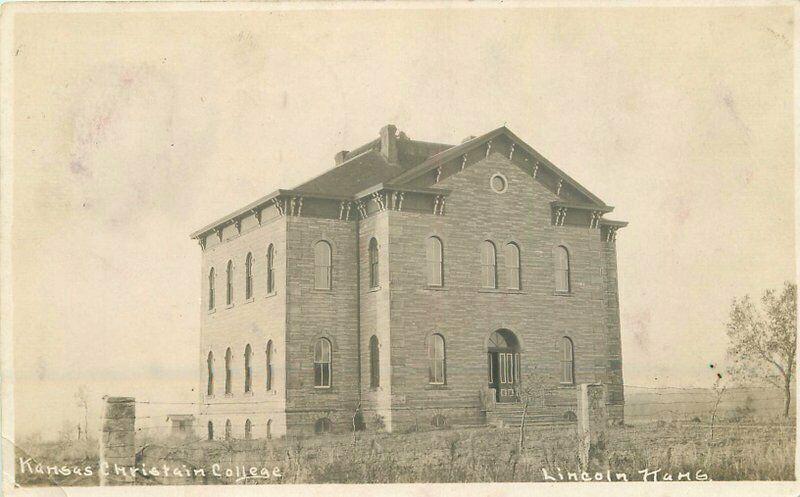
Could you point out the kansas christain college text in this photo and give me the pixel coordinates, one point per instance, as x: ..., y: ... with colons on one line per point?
x: 222, y: 470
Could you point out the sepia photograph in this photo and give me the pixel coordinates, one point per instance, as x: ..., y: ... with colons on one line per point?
x: 532, y: 245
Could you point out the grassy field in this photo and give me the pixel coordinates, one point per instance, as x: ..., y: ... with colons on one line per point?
x: 744, y: 450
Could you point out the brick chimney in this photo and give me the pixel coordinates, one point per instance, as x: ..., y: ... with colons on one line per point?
x: 340, y: 156
x: 389, y: 143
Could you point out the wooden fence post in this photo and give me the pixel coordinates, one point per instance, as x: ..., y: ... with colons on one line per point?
x: 592, y: 420
x: 117, y: 449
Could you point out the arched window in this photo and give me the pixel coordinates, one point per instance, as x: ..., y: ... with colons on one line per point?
x: 228, y: 430
x: 567, y: 361
x: 210, y: 430
x: 211, y: 302
x: 512, y: 266
x: 436, y: 359
x: 229, y: 283
x: 322, y: 363
x: 374, y: 363
x: 268, y: 379
x: 269, y: 428
x: 374, y: 278
x: 322, y: 266
x: 210, y: 364
x: 562, y: 270
x: 248, y: 370
x: 270, y: 269
x: 248, y: 276
x: 488, y: 265
x: 248, y: 430
x: 228, y: 360
x: 434, y: 255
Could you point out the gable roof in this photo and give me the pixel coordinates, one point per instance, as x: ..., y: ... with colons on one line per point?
x: 436, y: 160
x: 367, y: 168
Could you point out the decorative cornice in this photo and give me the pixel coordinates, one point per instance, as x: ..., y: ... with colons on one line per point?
x: 257, y: 214
x: 561, y: 216
x: 280, y: 206
x: 362, y: 209
x: 594, y: 222
x: 438, y: 205
x: 379, y: 199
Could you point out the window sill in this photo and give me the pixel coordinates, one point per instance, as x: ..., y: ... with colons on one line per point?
x: 563, y: 294
x: 374, y: 289
x: 229, y: 306
x: 211, y: 311
x: 324, y: 389
x: 567, y: 386
x: 229, y: 395
x: 251, y: 299
x: 248, y: 394
x: 437, y: 386
x: 210, y: 397
x: 501, y: 290
x: 271, y: 294
x: 438, y: 288
x: 322, y: 290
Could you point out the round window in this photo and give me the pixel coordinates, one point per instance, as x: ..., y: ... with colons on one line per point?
x: 498, y: 183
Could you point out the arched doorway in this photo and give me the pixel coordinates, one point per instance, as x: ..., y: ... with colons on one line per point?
x: 503, y: 361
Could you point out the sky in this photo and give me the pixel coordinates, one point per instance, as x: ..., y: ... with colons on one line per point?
x: 132, y: 130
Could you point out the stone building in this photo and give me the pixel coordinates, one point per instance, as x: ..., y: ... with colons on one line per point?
x: 414, y: 283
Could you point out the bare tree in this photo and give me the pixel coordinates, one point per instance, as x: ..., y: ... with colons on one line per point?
x: 82, y: 401
x: 763, y: 342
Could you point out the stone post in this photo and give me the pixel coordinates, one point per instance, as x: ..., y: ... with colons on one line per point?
x: 117, y: 447
x: 592, y: 420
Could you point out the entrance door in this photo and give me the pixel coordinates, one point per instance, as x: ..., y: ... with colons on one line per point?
x: 504, y: 365
x: 506, y: 383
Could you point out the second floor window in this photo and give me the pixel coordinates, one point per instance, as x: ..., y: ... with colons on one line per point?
x: 488, y: 265
x: 512, y: 266
x: 228, y: 372
x: 434, y: 256
x: 270, y: 269
x: 210, y: 364
x: 322, y: 363
x: 269, y: 365
x: 248, y: 276
x: 211, y: 289
x: 229, y: 283
x: 562, y: 270
x: 248, y: 369
x: 322, y: 266
x: 374, y: 278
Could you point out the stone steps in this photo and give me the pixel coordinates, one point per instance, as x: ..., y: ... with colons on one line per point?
x: 510, y: 416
